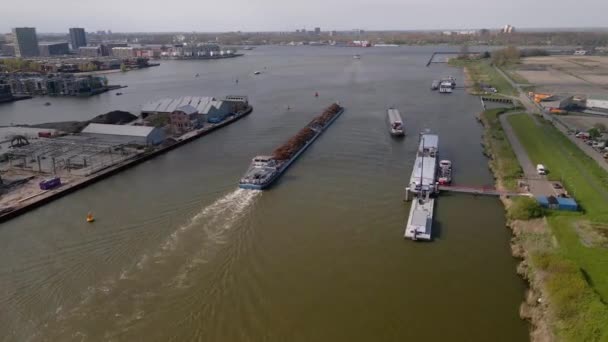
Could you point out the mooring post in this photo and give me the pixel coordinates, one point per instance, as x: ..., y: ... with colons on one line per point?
x: 407, y: 194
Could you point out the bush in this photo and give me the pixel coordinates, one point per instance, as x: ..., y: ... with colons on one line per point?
x: 525, y: 208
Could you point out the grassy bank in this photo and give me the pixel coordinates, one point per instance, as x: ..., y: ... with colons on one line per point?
x: 480, y: 71
x: 569, y: 262
x: 503, y: 161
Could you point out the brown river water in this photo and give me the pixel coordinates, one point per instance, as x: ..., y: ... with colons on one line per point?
x: 179, y: 253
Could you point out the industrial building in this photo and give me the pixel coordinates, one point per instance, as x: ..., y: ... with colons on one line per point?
x: 53, y: 49
x: 125, y: 134
x: 26, y: 42
x: 211, y: 109
x: 184, y: 119
x: 5, y: 93
x: 78, y: 38
x: 89, y: 51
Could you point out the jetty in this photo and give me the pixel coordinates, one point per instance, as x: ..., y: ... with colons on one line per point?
x: 480, y: 190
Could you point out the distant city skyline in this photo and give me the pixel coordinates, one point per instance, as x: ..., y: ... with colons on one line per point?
x: 272, y: 15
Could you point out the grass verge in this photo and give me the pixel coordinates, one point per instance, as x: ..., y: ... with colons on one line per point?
x: 572, y: 273
x: 503, y: 161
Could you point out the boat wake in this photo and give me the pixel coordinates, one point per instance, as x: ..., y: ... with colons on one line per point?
x: 192, y: 244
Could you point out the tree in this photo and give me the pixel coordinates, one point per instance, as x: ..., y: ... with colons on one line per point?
x: 594, y: 133
x: 464, y: 50
x: 600, y: 127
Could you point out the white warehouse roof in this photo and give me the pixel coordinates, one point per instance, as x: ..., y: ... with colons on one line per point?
x: 127, y: 130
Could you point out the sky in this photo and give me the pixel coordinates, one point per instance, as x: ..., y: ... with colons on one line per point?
x: 280, y: 15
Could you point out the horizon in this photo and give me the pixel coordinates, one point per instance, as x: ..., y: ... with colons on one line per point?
x: 271, y: 16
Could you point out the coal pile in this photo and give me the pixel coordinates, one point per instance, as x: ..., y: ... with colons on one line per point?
x: 293, y: 145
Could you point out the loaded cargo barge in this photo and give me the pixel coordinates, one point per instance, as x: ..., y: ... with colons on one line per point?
x: 264, y: 170
x: 423, y: 183
x: 47, y: 196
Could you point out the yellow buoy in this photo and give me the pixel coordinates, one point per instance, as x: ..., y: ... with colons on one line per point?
x: 90, y: 218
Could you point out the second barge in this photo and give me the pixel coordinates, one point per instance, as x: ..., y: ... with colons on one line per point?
x: 264, y: 170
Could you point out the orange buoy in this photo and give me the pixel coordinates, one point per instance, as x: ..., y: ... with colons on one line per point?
x: 90, y: 217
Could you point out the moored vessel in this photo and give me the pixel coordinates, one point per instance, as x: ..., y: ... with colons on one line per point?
x: 264, y: 170
x: 445, y: 172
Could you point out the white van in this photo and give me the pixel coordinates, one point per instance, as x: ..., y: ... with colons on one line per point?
x: 540, y: 169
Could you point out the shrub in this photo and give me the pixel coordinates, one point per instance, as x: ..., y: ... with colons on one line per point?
x: 525, y: 208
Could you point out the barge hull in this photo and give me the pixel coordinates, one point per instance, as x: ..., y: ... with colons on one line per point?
x: 288, y: 163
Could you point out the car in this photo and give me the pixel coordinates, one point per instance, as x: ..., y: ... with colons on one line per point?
x: 557, y: 186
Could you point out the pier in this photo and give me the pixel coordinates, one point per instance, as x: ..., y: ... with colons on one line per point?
x: 480, y: 190
x: 439, y: 53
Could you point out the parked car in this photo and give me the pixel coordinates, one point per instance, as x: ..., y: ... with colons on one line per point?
x: 540, y: 169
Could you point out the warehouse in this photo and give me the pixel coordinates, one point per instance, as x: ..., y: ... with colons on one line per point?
x: 125, y: 134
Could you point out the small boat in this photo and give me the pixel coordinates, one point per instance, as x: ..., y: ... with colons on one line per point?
x: 197, y: 75
x: 356, y: 56
x: 257, y: 72
x: 47, y: 103
x: 395, y: 122
x: 445, y: 87
x: 90, y: 218
x: 118, y: 94
x: 445, y: 172
x: 316, y: 94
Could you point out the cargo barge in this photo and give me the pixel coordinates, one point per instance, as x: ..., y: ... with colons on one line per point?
x: 423, y: 183
x: 264, y: 170
x: 395, y: 122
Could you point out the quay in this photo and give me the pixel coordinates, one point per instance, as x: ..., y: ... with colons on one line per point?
x: 23, y: 205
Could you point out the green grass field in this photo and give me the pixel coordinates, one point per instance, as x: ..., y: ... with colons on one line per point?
x: 481, y: 71
x: 575, y: 273
x: 504, y: 162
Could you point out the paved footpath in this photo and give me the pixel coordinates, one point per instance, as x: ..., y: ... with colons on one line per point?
x: 539, y: 185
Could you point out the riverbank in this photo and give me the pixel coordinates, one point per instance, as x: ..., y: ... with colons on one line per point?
x: 480, y: 74
x: 563, y: 255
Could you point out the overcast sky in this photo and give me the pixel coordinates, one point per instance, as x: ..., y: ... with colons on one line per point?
x: 285, y: 15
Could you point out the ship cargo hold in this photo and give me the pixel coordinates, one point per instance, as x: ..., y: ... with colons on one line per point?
x: 425, y: 165
x: 264, y: 170
x: 395, y: 123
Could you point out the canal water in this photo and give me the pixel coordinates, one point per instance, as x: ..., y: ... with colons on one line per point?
x: 179, y: 253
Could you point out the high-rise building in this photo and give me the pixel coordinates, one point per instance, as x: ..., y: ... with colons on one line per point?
x: 77, y: 38
x: 317, y: 30
x: 26, y: 42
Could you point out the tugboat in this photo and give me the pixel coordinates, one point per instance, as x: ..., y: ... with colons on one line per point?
x: 395, y: 122
x: 445, y: 172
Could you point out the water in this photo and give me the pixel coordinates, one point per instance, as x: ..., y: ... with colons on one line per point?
x: 179, y: 253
